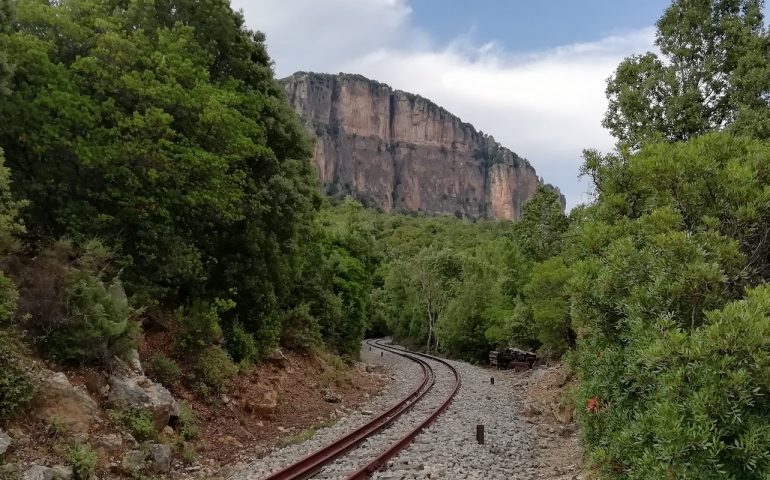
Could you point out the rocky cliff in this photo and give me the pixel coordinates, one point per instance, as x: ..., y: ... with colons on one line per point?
x: 399, y: 151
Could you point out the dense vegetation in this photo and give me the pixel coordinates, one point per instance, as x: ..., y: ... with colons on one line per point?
x: 154, y: 176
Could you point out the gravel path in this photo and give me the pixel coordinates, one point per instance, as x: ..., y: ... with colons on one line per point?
x: 447, y: 449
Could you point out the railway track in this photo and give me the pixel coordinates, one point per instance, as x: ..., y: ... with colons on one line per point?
x: 367, y: 449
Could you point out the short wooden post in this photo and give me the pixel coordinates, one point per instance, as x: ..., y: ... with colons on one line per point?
x: 492, y: 380
x: 480, y: 434
x: 382, y: 353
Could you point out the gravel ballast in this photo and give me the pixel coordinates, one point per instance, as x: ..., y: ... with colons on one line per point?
x: 447, y: 449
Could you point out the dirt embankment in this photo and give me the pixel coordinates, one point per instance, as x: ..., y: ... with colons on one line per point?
x: 545, y: 395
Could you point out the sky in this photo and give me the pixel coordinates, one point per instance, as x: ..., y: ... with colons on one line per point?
x: 530, y: 73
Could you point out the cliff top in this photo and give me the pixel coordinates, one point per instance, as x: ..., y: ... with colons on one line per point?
x: 496, y: 146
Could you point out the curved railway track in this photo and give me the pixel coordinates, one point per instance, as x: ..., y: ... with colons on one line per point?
x: 335, y: 455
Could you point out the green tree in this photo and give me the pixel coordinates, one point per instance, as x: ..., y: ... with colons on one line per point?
x: 158, y: 127
x: 715, y: 73
x: 542, y: 224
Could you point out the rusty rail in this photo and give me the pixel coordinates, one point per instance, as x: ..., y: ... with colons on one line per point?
x: 311, y: 464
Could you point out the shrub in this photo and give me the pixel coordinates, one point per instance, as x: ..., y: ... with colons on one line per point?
x: 242, y: 346
x: 675, y: 405
x: 200, y: 325
x: 164, y: 369
x: 67, y: 302
x: 83, y: 461
x: 138, y: 421
x: 215, y: 369
x: 98, y: 323
x: 188, y: 422
x: 301, y: 332
x: 8, y: 298
x: 16, y: 385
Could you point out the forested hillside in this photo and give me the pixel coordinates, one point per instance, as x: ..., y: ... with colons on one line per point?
x: 155, y: 178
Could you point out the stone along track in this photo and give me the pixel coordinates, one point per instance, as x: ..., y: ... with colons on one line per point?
x: 368, y: 448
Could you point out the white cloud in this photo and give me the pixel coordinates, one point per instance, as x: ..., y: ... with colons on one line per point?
x: 546, y: 106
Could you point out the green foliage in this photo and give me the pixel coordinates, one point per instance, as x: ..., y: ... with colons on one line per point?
x: 83, y: 460
x: 188, y: 161
x: 714, y: 73
x: 138, y: 421
x: 16, y: 383
x: 98, y: 322
x: 548, y: 298
x: 188, y: 422
x: 661, y: 266
x: 200, y: 325
x: 242, y: 346
x: 215, y: 369
x: 163, y: 369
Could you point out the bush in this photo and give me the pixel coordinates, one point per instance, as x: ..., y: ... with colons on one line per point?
x: 16, y: 385
x: 301, y: 332
x: 138, y: 421
x: 164, y: 369
x: 242, y: 346
x: 98, y: 323
x: 77, y: 314
x: 83, y: 461
x: 215, y: 369
x: 188, y: 422
x: 200, y: 323
x: 684, y: 406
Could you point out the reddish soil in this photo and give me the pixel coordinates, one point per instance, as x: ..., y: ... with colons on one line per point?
x: 232, y: 427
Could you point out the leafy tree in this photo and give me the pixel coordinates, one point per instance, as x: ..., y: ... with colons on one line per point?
x: 159, y: 129
x: 715, y: 73
x: 542, y: 224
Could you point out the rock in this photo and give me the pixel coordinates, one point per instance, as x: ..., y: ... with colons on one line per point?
x: 107, y: 446
x: 276, y: 356
x: 56, y: 400
x: 567, y: 430
x: 133, y: 361
x: 225, y: 399
x: 40, y: 472
x: 133, y: 461
x: 167, y: 430
x: 404, y: 152
x: 9, y: 470
x: 96, y: 382
x: 5, y: 442
x: 130, y: 441
x: 160, y: 456
x: 263, y: 403
x: 331, y: 396
x: 140, y: 392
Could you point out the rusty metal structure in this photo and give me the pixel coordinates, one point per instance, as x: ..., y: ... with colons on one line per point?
x: 313, y: 463
x: 511, y: 358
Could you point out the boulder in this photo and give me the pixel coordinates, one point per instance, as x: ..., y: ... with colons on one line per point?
x: 160, y: 457
x: 133, y: 461
x: 263, y: 403
x: 5, y: 442
x: 56, y: 400
x: 276, y: 356
x: 331, y: 396
x: 40, y: 472
x: 140, y: 392
x: 107, y: 446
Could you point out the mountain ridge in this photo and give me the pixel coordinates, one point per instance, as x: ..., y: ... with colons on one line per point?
x: 397, y: 150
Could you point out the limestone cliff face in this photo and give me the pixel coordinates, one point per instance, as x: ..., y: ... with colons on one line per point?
x: 399, y: 151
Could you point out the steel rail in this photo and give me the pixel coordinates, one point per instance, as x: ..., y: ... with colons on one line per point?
x: 312, y: 463
x: 378, y: 463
